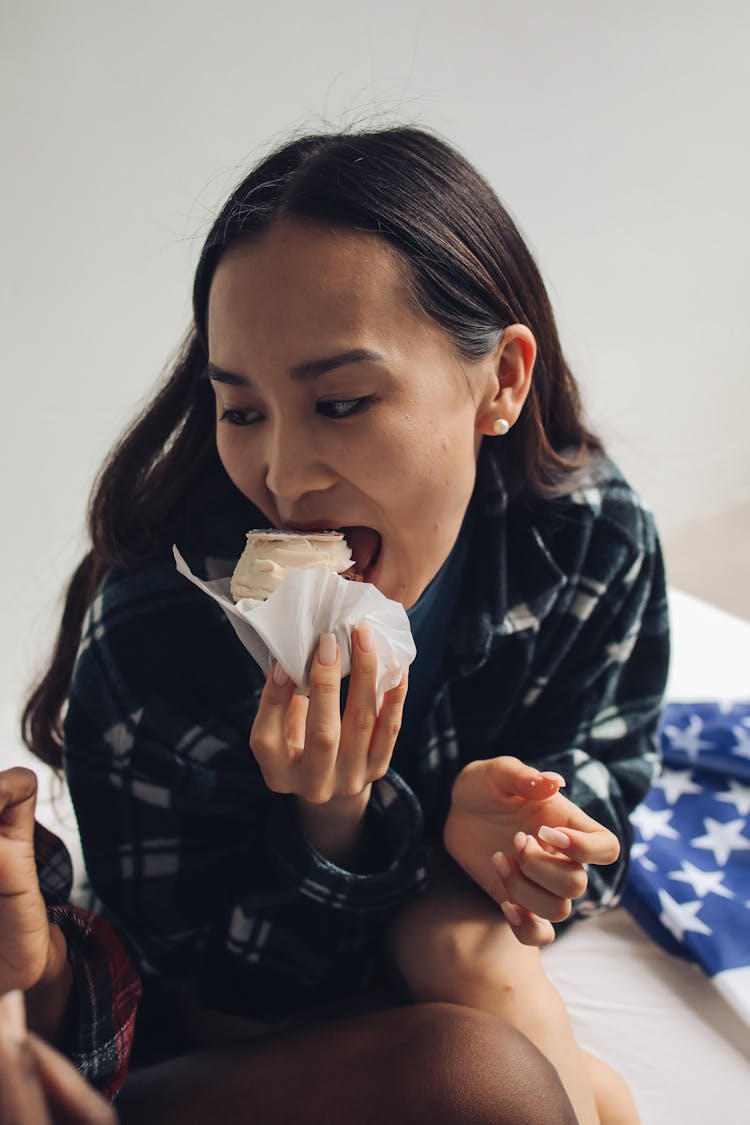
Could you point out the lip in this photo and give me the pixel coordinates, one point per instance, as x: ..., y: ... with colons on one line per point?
x: 309, y: 525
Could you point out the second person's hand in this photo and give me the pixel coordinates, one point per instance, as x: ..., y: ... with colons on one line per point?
x: 25, y: 945
x: 329, y: 761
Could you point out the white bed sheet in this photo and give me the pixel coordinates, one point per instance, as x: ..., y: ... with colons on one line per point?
x: 656, y: 1018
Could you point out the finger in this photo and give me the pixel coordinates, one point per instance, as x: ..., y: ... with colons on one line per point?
x: 526, y: 926
x: 268, y: 740
x: 22, y: 1100
x: 555, y: 873
x: 317, y: 765
x: 596, y: 845
x: 514, y: 778
x: 18, y: 787
x: 296, y: 717
x: 516, y: 887
x: 67, y: 1091
x: 360, y: 715
x: 387, y: 728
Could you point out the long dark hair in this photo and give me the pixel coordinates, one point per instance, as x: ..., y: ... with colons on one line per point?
x: 469, y: 270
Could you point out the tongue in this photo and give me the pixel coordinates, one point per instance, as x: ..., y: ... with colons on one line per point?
x: 364, y: 544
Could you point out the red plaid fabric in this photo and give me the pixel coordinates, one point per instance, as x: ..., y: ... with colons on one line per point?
x: 98, y: 1035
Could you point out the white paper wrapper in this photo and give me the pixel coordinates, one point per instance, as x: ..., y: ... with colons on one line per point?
x: 287, y: 625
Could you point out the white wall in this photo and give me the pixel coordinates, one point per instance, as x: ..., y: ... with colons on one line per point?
x: 617, y: 135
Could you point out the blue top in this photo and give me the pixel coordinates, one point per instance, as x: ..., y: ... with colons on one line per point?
x: 430, y: 619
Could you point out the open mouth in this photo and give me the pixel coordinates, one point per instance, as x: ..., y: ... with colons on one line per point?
x: 365, y: 545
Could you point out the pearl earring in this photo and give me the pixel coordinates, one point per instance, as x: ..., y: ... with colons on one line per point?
x: 500, y: 426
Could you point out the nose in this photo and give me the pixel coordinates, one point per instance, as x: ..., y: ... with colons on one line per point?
x: 295, y: 464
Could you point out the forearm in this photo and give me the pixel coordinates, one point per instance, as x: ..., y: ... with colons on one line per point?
x: 47, y: 1001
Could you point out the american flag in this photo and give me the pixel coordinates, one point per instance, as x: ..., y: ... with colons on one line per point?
x: 689, y: 878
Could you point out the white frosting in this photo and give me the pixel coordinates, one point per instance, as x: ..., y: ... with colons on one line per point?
x: 261, y: 566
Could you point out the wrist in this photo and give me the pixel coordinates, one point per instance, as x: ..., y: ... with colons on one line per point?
x: 47, y: 1001
x: 335, y: 827
x: 57, y: 958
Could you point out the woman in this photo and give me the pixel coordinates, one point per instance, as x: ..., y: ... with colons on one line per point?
x: 373, y: 350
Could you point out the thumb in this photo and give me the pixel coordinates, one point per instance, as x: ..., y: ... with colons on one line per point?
x: 17, y: 802
x: 68, y: 1094
x: 516, y: 779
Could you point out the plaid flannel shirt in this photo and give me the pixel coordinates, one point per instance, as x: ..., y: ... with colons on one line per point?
x: 558, y: 654
x: 98, y: 1031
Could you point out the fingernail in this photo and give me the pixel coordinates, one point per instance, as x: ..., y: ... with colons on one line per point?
x: 555, y: 777
x: 365, y: 639
x: 511, y: 913
x: 519, y: 840
x: 280, y: 677
x: 501, y: 863
x: 13, y: 1015
x: 553, y: 836
x: 327, y: 650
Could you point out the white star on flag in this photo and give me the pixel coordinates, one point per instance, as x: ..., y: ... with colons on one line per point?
x: 722, y: 839
x: 737, y: 795
x: 742, y: 737
x: 703, y: 882
x: 688, y: 739
x: 676, y: 783
x: 678, y: 917
x: 638, y: 850
x: 654, y: 822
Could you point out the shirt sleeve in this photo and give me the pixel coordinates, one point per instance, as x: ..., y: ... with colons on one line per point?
x: 204, y: 869
x: 100, y: 1022
x: 593, y: 710
x: 98, y: 1030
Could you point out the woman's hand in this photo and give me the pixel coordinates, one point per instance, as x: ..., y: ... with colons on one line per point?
x: 329, y: 761
x: 37, y: 1085
x: 524, y: 843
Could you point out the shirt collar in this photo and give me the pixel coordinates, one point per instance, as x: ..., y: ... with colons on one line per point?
x: 511, y: 578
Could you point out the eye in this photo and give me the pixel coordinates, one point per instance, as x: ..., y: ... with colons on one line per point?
x: 344, y: 407
x: 240, y: 417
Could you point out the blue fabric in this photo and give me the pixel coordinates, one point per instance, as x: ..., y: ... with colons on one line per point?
x: 431, y: 619
x: 689, y: 880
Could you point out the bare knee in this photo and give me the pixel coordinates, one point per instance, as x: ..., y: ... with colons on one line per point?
x: 469, y: 957
x: 614, y: 1100
x: 427, y: 1064
x: 459, y: 1066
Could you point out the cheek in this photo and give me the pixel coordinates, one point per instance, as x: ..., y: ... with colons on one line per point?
x: 239, y: 466
x: 434, y: 458
x: 454, y: 453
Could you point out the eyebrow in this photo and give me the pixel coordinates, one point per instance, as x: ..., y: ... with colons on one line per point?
x: 310, y: 370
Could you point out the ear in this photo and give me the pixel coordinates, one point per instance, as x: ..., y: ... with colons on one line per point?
x: 512, y: 366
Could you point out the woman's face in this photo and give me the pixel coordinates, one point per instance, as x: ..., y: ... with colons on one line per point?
x: 339, y: 404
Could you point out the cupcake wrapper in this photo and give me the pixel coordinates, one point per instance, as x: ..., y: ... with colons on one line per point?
x: 286, y: 627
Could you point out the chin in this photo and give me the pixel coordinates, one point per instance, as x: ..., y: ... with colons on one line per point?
x: 406, y: 595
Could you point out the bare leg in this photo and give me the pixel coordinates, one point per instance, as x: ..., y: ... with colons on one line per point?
x: 614, y: 1102
x: 453, y: 945
x: 432, y: 1064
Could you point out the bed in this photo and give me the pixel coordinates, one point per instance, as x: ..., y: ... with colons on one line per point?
x: 679, y: 1036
